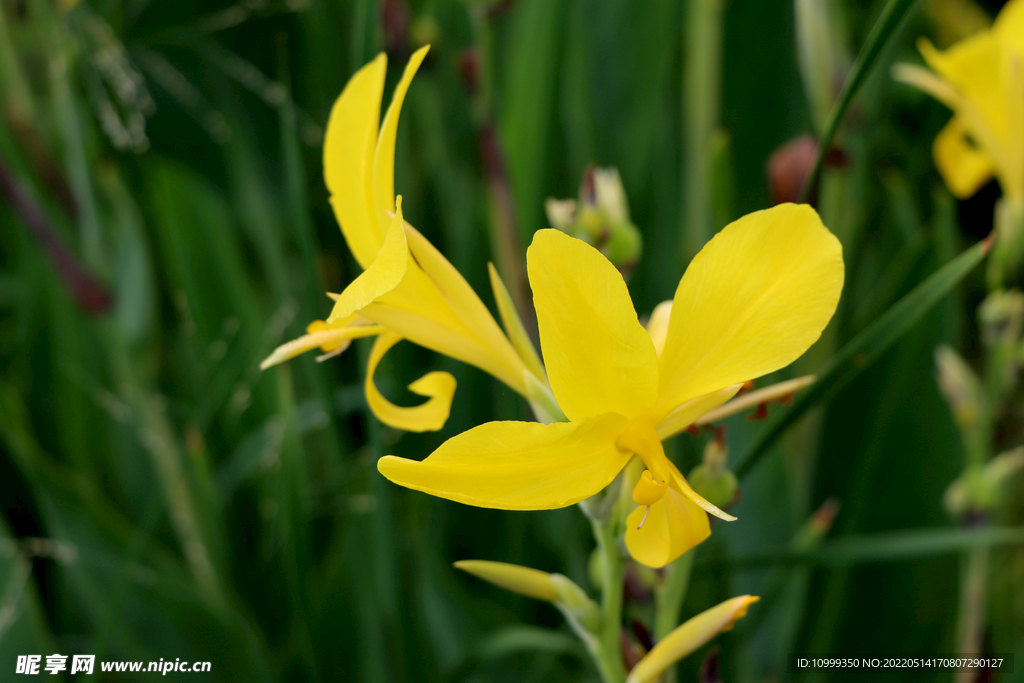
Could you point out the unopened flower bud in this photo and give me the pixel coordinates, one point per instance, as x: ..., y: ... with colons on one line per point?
x: 712, y: 479
x: 960, y: 386
x: 600, y: 217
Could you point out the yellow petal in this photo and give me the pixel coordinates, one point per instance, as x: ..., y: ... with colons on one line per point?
x: 598, y: 357
x: 657, y: 326
x: 674, y: 525
x: 964, y: 167
x: 1009, y: 25
x: 382, y: 276
x: 687, y: 638
x: 329, y: 338
x: 688, y: 413
x: 498, y: 355
x: 517, y: 465
x: 384, y: 158
x: 349, y: 145
x: 429, y: 416
x: 751, y: 302
x: 514, y: 327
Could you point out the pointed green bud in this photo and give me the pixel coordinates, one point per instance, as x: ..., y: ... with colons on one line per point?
x: 712, y: 479
x: 983, y: 489
x: 600, y: 217
x: 960, y: 387
x: 583, y: 614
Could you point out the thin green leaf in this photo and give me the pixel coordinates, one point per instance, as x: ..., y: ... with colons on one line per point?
x: 866, y: 348
x: 893, y: 14
x: 891, y: 546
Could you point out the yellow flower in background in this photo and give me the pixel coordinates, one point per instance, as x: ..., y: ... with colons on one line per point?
x: 981, y: 78
x: 407, y: 289
x: 754, y: 299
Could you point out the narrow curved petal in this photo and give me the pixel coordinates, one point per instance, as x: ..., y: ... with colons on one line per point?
x: 382, y: 276
x: 691, y: 411
x: 598, y: 357
x: 427, y: 417
x: 963, y: 166
x: 752, y: 301
x: 679, y: 483
x: 517, y: 465
x: 384, y: 157
x: 657, y: 326
x: 687, y: 638
x: 349, y: 144
x: 329, y: 338
x: 674, y: 525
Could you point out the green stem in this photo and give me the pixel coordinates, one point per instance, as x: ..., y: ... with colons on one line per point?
x: 973, y: 598
x: 609, y: 652
x: 702, y: 36
x: 668, y: 601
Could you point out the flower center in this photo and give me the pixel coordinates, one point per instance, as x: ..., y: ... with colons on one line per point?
x: 641, y: 438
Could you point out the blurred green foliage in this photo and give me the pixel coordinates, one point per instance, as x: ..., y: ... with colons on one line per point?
x: 198, y: 509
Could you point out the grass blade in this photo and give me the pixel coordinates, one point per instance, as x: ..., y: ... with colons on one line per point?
x: 894, y: 12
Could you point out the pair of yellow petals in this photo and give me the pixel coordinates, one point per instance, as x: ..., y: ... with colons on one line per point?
x: 755, y: 298
x: 981, y: 79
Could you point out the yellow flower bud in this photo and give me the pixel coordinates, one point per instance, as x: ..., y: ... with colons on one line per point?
x: 688, y: 637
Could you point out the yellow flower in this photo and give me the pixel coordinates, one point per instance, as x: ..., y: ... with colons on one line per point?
x: 407, y: 289
x: 754, y: 299
x: 981, y: 78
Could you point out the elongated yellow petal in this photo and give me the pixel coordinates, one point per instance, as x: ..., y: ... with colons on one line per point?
x: 689, y: 637
x: 517, y: 465
x: 964, y: 167
x: 751, y: 302
x: 384, y: 158
x: 657, y: 326
x: 382, y: 276
x: 349, y: 144
x: 598, y: 357
x: 329, y: 338
x: 688, y: 413
x: 514, y: 327
x: 674, y: 525
x: 429, y: 416
x: 502, y: 361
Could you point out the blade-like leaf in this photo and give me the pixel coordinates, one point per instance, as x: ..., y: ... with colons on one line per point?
x: 865, y: 348
x: 890, y: 546
x: 893, y: 14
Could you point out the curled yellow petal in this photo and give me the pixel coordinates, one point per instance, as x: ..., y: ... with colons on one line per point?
x: 598, y: 357
x: 674, y: 524
x: 349, y: 145
x: 429, y: 416
x: 751, y: 302
x: 517, y: 465
x: 532, y: 583
x: 330, y: 338
x: 689, y: 637
x: 382, y: 276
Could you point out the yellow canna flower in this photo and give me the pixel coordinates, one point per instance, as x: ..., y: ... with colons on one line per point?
x: 754, y: 299
x: 407, y: 289
x: 981, y: 78
x: 689, y: 637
